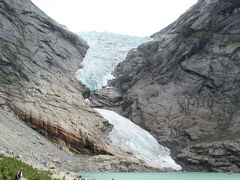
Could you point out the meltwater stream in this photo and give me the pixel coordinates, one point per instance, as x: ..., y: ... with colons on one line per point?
x: 105, y: 52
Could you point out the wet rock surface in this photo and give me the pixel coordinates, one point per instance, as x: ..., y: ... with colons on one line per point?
x: 183, y: 86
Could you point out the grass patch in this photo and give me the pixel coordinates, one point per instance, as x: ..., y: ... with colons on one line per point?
x: 10, y: 166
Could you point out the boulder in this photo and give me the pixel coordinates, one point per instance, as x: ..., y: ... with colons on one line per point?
x: 50, y: 165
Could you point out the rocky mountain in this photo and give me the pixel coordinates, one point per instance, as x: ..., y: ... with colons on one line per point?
x: 184, y: 85
x: 38, y: 60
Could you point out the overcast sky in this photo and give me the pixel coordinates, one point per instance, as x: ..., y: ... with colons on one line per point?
x: 133, y: 17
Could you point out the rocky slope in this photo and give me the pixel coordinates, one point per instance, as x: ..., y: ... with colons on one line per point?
x: 183, y: 87
x: 21, y: 141
x: 38, y: 60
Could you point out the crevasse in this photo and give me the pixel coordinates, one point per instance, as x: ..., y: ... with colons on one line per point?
x: 105, y: 52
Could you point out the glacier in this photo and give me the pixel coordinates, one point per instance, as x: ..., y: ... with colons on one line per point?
x: 105, y: 52
x: 132, y: 138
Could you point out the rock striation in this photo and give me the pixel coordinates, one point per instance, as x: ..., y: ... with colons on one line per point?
x: 183, y: 86
x: 38, y: 61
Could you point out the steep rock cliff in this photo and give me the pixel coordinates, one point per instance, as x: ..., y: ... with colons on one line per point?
x: 38, y: 61
x: 183, y: 86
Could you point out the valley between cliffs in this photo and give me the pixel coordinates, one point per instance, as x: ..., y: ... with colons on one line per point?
x: 41, y: 100
x: 182, y: 87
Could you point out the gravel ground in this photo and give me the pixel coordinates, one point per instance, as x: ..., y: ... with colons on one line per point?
x: 19, y: 140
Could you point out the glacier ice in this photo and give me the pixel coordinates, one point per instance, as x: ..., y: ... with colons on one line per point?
x: 132, y: 138
x: 105, y: 52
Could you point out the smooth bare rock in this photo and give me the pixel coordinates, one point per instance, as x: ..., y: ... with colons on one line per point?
x: 219, y: 156
x: 39, y: 58
x: 110, y: 97
x: 123, y: 164
x: 183, y: 86
x: 38, y: 61
x: 56, y: 160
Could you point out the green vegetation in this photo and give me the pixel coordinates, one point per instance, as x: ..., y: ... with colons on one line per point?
x: 235, y: 41
x: 9, y: 53
x: 231, y: 42
x: 199, y: 33
x: 5, y: 7
x: 10, y: 166
x: 224, y: 55
x: 5, y: 80
x: 203, y: 51
x: 8, y: 80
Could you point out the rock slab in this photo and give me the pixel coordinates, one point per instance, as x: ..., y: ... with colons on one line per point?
x: 183, y: 86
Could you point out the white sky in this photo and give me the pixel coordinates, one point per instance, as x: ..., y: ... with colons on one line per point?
x: 133, y: 17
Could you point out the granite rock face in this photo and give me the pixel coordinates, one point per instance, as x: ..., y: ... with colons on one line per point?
x: 38, y: 61
x: 183, y: 86
x: 215, y: 156
x: 109, y: 98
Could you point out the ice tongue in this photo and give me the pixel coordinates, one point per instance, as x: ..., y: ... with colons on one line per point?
x: 132, y: 138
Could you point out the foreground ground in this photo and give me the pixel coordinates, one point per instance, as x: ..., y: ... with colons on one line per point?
x: 9, y: 167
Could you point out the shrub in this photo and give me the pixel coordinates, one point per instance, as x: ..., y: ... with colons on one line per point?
x: 10, y: 166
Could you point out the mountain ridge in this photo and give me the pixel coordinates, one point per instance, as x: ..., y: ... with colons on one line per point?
x: 183, y: 87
